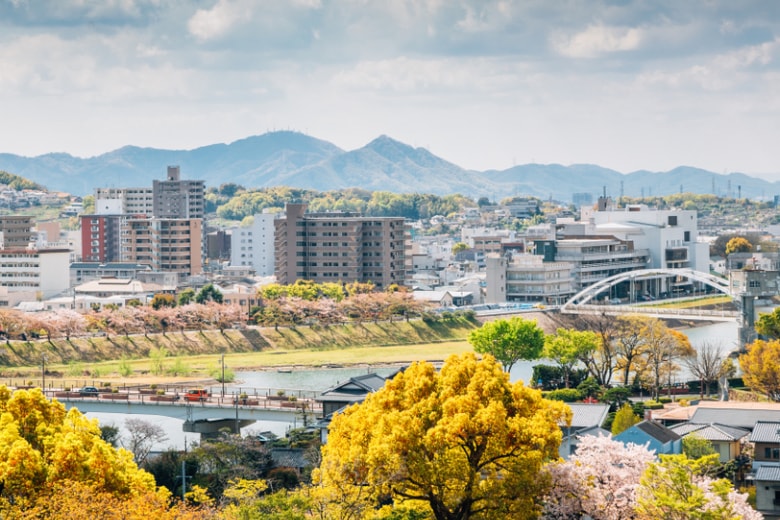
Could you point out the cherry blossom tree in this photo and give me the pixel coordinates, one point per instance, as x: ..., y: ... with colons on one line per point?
x: 599, y: 481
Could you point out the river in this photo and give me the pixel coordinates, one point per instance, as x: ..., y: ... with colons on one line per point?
x: 722, y: 334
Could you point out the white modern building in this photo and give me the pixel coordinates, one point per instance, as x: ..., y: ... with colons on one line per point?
x: 254, y: 245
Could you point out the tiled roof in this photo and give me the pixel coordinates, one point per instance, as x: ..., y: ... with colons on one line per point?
x: 710, y: 432
x: 658, y: 432
x: 354, y: 389
x: 766, y: 431
x: 738, y: 417
x: 587, y: 415
x: 768, y: 473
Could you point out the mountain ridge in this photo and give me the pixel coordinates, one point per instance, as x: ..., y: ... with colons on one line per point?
x: 286, y: 158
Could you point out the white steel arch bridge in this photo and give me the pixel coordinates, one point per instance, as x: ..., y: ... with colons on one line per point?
x: 584, y: 302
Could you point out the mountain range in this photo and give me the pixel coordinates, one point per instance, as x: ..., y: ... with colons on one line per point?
x: 297, y: 160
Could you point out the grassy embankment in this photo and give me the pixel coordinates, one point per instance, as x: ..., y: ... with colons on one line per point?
x: 194, y: 355
x: 704, y: 301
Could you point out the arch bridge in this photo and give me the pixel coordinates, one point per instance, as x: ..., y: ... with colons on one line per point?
x: 586, y: 301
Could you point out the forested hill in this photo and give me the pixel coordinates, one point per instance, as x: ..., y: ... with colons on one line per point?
x: 15, y: 182
x: 300, y: 161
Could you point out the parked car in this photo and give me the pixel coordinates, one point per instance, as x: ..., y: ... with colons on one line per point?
x: 196, y: 394
x: 88, y: 391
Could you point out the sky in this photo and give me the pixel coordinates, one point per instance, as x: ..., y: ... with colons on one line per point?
x: 485, y: 84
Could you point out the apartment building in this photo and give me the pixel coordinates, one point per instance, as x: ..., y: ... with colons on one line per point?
x: 176, y: 198
x: 16, y: 231
x: 253, y: 246
x: 528, y: 278
x: 339, y: 247
x: 130, y: 201
x: 161, y: 226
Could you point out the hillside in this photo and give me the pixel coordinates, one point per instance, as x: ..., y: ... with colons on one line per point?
x: 300, y: 161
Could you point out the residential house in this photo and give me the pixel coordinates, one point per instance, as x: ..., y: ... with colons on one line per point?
x: 766, y: 441
x: 656, y: 437
x: 767, y: 481
x: 725, y: 440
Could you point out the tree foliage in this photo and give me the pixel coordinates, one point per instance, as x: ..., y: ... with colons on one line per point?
x: 738, y: 245
x: 768, y: 324
x: 43, y: 447
x: 677, y: 488
x: 625, y: 418
x: 509, y: 341
x: 568, y: 347
x: 464, y: 441
x: 599, y: 481
x: 761, y: 367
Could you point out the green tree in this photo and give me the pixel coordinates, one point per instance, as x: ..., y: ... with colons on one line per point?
x: 695, y: 446
x: 567, y: 347
x: 209, y: 293
x: 463, y: 440
x: 460, y: 246
x: 186, y: 296
x: 509, y: 341
x: 625, y: 418
x: 768, y: 324
x: 677, y: 488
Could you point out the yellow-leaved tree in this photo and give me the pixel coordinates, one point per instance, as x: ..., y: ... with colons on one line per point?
x: 45, y: 449
x: 460, y: 443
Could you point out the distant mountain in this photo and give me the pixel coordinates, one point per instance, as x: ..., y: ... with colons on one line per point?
x: 297, y: 160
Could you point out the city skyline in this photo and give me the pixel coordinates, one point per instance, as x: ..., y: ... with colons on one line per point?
x: 485, y: 85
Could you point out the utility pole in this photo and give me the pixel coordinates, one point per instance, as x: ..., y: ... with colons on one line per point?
x: 183, y: 481
x: 43, y: 374
x: 223, y: 376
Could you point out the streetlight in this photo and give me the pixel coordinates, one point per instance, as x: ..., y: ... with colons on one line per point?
x: 223, y: 376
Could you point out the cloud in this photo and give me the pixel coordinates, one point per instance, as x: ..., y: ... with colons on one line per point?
x: 597, y: 40
x: 206, y: 24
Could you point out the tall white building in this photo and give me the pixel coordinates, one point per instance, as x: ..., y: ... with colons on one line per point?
x: 254, y: 245
x: 128, y: 201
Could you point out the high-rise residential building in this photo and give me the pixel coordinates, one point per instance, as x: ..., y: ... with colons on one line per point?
x: 16, y: 231
x: 28, y: 272
x: 254, y: 245
x: 161, y: 226
x: 130, y: 201
x: 339, y: 247
x: 176, y: 198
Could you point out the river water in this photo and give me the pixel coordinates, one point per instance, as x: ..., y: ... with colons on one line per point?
x: 724, y: 335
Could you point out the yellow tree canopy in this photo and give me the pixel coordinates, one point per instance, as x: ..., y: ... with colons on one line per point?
x: 465, y: 442
x: 761, y: 367
x: 43, y: 446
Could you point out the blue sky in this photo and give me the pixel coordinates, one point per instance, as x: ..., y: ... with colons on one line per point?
x: 645, y: 84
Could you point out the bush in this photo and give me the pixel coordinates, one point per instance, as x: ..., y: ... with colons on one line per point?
x: 653, y: 405
x: 125, y: 370
x: 664, y: 400
x: 567, y: 395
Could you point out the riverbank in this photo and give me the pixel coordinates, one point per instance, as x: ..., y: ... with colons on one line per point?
x: 198, y: 355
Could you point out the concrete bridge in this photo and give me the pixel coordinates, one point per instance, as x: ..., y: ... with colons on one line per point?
x: 206, y: 417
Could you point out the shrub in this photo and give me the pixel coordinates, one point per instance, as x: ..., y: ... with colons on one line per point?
x: 125, y: 370
x: 567, y: 395
x: 653, y: 405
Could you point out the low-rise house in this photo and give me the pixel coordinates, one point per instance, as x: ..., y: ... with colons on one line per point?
x: 656, y: 437
x: 725, y: 440
x: 766, y: 441
x: 737, y: 414
x: 571, y: 441
x: 353, y: 390
x: 767, y: 481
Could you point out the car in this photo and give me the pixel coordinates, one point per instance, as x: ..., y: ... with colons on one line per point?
x: 88, y: 391
x: 615, y: 301
x: 196, y: 394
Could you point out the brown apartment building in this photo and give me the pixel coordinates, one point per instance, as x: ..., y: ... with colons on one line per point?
x: 339, y: 247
